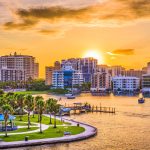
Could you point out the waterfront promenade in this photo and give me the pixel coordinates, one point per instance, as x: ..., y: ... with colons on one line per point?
x: 90, y: 131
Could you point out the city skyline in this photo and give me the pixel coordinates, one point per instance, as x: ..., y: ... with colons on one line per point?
x: 57, y: 30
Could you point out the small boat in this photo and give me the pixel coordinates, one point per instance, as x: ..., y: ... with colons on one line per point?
x: 71, y: 96
x: 141, y: 100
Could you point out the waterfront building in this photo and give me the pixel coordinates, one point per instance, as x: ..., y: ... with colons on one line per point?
x: 67, y: 78
x: 17, y: 67
x: 146, y: 85
x: 87, y: 67
x: 101, y: 79
x: 123, y: 84
x: 49, y: 74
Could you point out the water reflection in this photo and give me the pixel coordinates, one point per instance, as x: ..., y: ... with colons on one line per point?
x: 128, y: 129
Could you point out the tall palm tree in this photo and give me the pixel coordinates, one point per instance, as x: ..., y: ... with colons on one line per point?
x: 7, y: 109
x: 40, y: 104
x: 50, y: 107
x: 29, y: 102
x: 56, y: 110
x: 11, y: 99
x: 37, y: 98
x: 20, y: 101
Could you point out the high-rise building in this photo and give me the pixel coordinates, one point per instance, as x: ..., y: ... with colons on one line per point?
x: 117, y: 70
x: 87, y: 67
x: 36, y: 70
x: 101, y: 79
x: 67, y: 78
x: 146, y: 85
x: 73, y: 62
x: 133, y: 73
x: 49, y: 74
x: 17, y: 67
x: 57, y: 65
x: 148, y: 68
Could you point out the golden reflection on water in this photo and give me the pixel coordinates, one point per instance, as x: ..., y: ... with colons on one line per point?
x: 128, y: 129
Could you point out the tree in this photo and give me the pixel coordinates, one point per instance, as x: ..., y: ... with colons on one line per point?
x: 37, y: 98
x: 29, y: 102
x: 7, y: 109
x: 11, y: 100
x: 56, y: 110
x: 40, y: 104
x: 20, y: 101
x: 1, y: 92
x: 50, y: 103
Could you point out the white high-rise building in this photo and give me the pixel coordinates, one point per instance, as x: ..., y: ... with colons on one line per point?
x: 67, y: 77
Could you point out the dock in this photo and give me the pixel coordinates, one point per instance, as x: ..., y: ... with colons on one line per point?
x: 78, y: 108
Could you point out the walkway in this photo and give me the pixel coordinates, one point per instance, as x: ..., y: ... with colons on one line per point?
x: 90, y: 131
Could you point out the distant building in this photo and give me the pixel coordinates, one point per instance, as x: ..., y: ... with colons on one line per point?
x: 133, y: 73
x: 73, y: 62
x: 117, y: 70
x: 49, y: 74
x: 67, y: 78
x: 17, y: 67
x: 101, y: 79
x: 148, y: 68
x: 125, y: 84
x: 36, y: 70
x: 146, y: 85
x: 87, y: 67
x: 57, y: 65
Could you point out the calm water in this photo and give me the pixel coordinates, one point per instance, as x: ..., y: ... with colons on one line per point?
x: 128, y: 129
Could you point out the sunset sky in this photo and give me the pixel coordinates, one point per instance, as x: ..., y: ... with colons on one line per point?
x: 116, y: 31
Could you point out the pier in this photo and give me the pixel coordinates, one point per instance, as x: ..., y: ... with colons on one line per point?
x: 78, y: 108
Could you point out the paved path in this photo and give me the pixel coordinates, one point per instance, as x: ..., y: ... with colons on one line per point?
x: 44, y: 127
x: 90, y: 131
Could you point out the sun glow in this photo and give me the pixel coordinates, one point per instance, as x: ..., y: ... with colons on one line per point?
x: 95, y: 54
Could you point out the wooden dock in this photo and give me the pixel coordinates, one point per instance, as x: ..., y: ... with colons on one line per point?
x: 83, y: 109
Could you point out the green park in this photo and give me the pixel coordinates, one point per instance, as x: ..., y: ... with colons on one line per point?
x: 27, y: 117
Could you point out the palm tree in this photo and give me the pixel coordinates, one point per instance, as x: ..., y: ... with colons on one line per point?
x: 7, y: 109
x: 50, y: 103
x: 37, y: 98
x: 29, y: 102
x: 40, y: 104
x: 20, y: 101
x: 56, y: 110
x: 11, y: 100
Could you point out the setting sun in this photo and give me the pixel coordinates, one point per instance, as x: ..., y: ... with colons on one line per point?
x: 95, y: 54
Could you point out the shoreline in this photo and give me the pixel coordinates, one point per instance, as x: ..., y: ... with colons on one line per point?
x: 90, y: 131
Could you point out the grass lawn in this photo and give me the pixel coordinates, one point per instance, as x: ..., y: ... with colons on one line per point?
x: 49, y: 133
x: 45, y: 120
x: 32, y: 92
x: 21, y: 130
x: 20, y: 123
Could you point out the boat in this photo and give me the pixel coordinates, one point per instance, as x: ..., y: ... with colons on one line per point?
x: 70, y: 96
x: 141, y: 100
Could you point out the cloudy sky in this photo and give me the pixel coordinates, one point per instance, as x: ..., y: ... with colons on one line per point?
x: 118, y: 31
